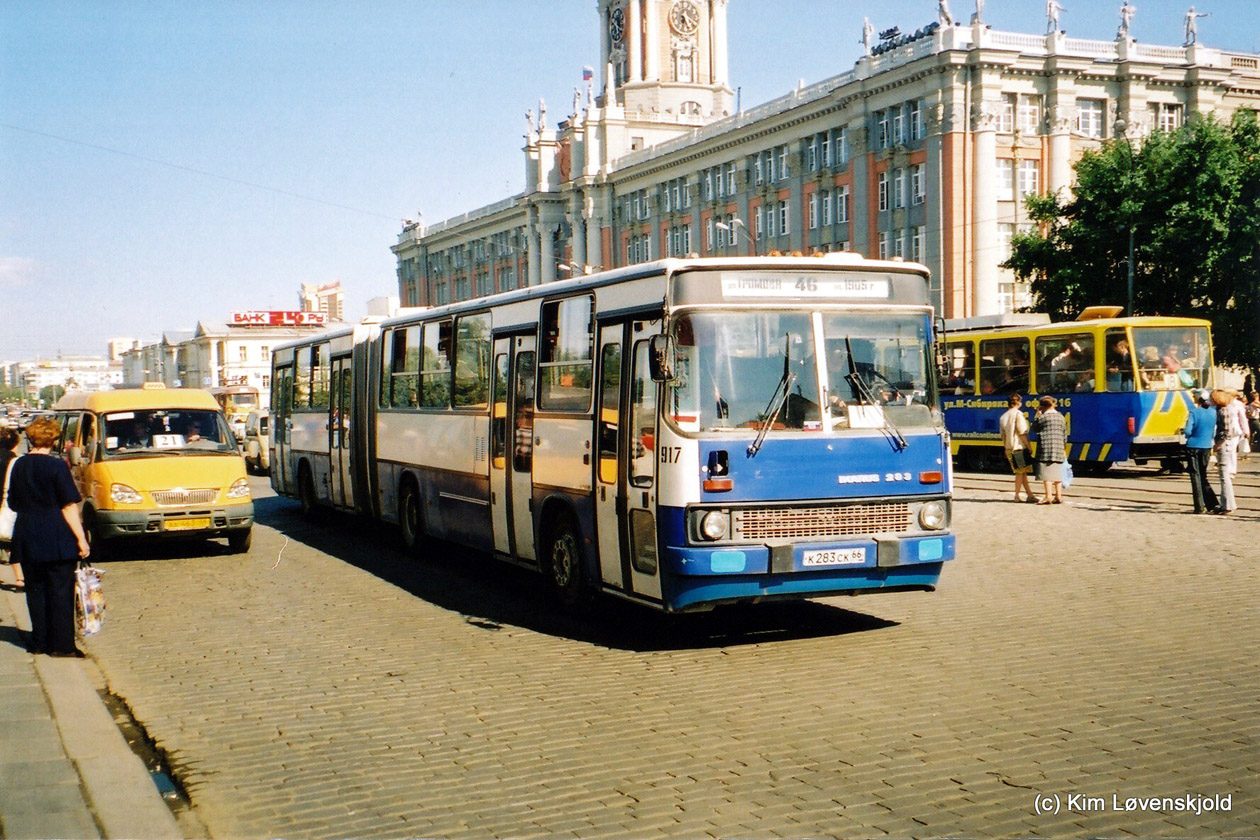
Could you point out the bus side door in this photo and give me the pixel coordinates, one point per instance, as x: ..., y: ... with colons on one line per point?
x: 512, y: 446
x: 340, y: 408
x: 281, y: 429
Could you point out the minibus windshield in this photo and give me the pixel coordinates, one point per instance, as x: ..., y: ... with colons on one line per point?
x: 730, y: 364
x: 173, y: 431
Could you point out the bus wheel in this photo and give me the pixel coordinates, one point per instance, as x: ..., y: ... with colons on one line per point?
x: 239, y: 541
x: 564, y: 562
x: 409, y: 522
x: 306, y: 490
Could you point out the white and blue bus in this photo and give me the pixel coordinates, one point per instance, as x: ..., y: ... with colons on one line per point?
x: 682, y: 433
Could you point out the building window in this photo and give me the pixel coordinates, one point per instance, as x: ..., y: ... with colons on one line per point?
x: 1167, y: 116
x: 842, y: 205
x: 785, y: 224
x: 883, y: 191
x: 1090, y: 117
x: 826, y: 208
x: 918, y: 183
x: 842, y: 146
x: 1029, y: 177
x: 1006, y: 180
x: 916, y: 119
x: 899, y: 244
x: 899, y: 188
x: 757, y: 175
x: 916, y: 243
x: 708, y: 235
x: 811, y: 154
x: 730, y: 179
x: 883, y: 244
x: 813, y: 211
x: 825, y: 139
x: 770, y: 226
x: 1006, y: 113
x: 898, y: 125
x: 1029, y: 114
x: 884, y: 130
x: 244, y: 353
x: 759, y: 222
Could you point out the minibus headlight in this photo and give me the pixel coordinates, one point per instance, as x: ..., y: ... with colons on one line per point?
x: 932, y: 516
x: 124, y: 495
x: 239, y: 489
x: 714, y: 525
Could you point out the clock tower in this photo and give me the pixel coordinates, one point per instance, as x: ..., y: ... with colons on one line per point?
x: 666, y: 59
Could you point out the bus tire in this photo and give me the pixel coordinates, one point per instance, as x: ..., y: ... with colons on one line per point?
x: 306, y: 489
x: 564, y: 562
x: 410, y: 519
x: 240, y: 541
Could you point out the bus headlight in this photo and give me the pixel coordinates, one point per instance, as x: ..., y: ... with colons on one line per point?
x: 932, y: 516
x: 124, y: 495
x: 239, y: 489
x: 715, y: 525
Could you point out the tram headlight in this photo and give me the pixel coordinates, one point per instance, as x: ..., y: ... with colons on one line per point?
x: 715, y: 525
x: 933, y: 516
x: 124, y: 495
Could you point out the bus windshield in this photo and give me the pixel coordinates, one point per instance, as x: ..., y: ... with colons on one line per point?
x: 730, y: 365
x: 1173, y: 357
x: 166, y: 431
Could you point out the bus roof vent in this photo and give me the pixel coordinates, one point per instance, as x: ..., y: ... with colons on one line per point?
x: 1093, y: 313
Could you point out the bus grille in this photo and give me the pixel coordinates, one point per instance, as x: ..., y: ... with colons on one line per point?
x: 178, y: 497
x: 821, y: 522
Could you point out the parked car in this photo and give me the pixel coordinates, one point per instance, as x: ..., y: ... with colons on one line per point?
x: 257, y: 442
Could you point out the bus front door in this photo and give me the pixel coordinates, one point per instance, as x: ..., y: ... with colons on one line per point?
x: 610, y: 494
x: 500, y: 422
x: 340, y: 406
x: 521, y: 444
x: 281, y: 427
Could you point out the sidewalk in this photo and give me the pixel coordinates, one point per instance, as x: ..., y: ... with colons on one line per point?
x: 65, y: 769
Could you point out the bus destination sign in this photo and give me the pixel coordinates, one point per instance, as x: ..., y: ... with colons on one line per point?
x: 805, y: 286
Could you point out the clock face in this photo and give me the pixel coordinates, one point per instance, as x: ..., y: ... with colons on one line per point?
x: 617, y: 23
x: 684, y: 17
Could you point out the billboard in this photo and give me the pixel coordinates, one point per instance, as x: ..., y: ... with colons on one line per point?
x: 277, y: 318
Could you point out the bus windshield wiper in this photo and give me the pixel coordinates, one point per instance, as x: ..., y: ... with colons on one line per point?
x: 865, y: 397
x: 777, y: 399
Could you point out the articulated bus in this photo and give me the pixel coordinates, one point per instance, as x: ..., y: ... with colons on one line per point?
x: 681, y: 433
x: 1122, y: 384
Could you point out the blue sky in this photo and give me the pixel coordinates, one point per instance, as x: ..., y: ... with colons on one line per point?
x: 163, y: 163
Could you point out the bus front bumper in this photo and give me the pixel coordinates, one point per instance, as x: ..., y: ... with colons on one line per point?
x: 191, y: 522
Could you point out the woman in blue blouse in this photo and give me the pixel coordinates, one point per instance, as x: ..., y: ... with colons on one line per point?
x: 48, y: 539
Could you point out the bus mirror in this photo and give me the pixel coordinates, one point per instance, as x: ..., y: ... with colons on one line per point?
x: 662, y: 361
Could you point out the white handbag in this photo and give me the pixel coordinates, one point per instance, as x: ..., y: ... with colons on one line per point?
x: 7, y: 516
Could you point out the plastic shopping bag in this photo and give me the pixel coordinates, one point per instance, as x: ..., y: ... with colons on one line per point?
x: 1067, y: 474
x: 89, y: 599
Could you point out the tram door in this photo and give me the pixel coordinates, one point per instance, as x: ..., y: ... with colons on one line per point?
x: 340, y: 413
x: 521, y: 445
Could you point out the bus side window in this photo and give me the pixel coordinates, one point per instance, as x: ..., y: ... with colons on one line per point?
x: 609, y: 409
x: 498, y: 414
x: 642, y: 418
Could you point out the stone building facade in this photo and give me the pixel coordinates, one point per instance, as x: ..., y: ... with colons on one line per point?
x: 923, y: 150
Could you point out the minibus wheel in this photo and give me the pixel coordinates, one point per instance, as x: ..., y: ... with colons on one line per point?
x: 239, y: 541
x: 564, y: 562
x: 306, y: 489
x: 96, y: 546
x: 409, y: 522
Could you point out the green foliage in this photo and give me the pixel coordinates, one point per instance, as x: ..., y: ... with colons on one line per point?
x: 1190, y: 201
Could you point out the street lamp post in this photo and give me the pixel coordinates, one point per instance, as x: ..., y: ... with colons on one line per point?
x: 1122, y: 130
x: 736, y: 223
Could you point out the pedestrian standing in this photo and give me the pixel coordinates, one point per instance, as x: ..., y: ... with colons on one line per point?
x: 1253, y: 419
x: 1014, y: 426
x: 1200, y: 434
x: 1241, y: 426
x: 9, y: 440
x: 1226, y: 448
x: 48, y: 539
x: 1051, y: 431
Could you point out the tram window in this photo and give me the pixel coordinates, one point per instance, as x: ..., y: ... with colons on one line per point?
x: 565, y: 365
x: 435, y: 369
x: 319, y: 376
x: 1004, y: 366
x: 960, y: 368
x: 1065, y: 363
x: 472, y: 361
x: 1119, y: 361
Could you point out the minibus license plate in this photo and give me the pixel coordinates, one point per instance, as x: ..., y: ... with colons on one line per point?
x: 835, y: 557
x: 187, y: 524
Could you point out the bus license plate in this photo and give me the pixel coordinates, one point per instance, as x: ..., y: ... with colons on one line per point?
x: 187, y: 524
x: 835, y: 557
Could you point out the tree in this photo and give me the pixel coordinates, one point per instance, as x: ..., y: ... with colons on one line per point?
x: 1192, y: 201
x: 49, y: 394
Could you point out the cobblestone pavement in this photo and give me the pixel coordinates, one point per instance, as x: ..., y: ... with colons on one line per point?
x: 324, y: 685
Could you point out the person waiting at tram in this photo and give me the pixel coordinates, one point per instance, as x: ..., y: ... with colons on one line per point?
x: 1014, y: 427
x: 1200, y: 431
x: 1225, y: 446
x: 1051, y: 429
